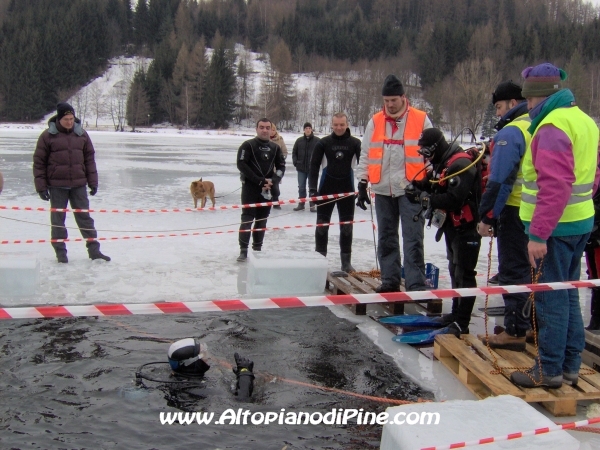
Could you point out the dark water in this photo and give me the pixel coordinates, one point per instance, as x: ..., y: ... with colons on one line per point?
x: 68, y: 383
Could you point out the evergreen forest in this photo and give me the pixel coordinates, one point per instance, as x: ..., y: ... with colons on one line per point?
x: 450, y: 55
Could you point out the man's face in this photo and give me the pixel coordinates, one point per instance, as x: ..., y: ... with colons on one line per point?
x: 263, y: 130
x: 394, y: 104
x: 67, y: 122
x: 339, y: 125
x: 307, y: 131
x: 502, y: 107
x: 532, y: 102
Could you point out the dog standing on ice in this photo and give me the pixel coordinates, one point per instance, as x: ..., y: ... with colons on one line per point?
x: 200, y: 190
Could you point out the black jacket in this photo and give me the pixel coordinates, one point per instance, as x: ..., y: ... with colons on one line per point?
x: 341, y: 154
x: 302, y: 152
x: 258, y: 160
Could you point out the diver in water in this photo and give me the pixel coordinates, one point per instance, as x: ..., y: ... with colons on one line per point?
x: 185, y: 359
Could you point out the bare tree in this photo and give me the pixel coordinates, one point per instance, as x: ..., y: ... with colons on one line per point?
x: 475, y: 79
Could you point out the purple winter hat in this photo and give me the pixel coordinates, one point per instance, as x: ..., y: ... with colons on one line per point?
x: 542, y: 80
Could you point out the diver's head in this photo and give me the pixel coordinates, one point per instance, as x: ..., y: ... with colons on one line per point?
x: 433, y: 145
x: 185, y: 357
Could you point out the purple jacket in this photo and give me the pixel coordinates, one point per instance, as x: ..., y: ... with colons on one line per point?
x: 64, y: 158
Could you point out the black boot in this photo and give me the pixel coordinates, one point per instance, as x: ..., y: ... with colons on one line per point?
x: 313, y: 207
x: 243, y: 255
x: 300, y: 207
x: 98, y: 255
x: 61, y: 256
x: 346, y: 266
x: 594, y: 323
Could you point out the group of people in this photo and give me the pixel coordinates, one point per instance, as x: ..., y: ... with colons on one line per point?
x: 537, y: 197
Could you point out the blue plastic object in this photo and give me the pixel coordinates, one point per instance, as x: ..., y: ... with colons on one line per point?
x: 432, y: 275
x: 413, y: 320
x: 421, y: 337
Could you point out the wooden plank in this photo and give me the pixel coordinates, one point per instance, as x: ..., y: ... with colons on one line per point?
x: 498, y: 385
x: 340, y: 286
x: 368, y: 280
x: 561, y: 408
x: 593, y: 379
x: 360, y: 286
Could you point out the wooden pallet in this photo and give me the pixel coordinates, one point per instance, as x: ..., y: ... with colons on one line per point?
x: 362, y: 284
x: 471, y: 362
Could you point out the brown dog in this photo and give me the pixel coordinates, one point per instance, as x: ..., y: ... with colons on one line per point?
x: 202, y: 189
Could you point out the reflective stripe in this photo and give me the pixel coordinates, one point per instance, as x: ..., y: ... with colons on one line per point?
x: 376, y: 144
x: 414, y: 160
x: 573, y: 200
x: 575, y: 189
x: 411, y: 142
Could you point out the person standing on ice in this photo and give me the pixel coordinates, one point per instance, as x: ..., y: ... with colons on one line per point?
x: 261, y: 164
x: 301, y: 154
x: 499, y: 210
x: 63, y: 164
x: 391, y: 162
x: 340, y: 153
x: 560, y: 176
x: 451, y: 194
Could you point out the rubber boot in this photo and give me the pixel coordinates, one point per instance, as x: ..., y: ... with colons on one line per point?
x: 61, y: 256
x: 98, y: 255
x: 300, y: 207
x: 346, y: 266
x: 243, y: 255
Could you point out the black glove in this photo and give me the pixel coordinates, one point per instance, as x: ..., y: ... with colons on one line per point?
x: 93, y: 190
x: 312, y: 193
x: 363, y: 195
x: 412, y: 194
x: 44, y: 195
x: 244, y: 365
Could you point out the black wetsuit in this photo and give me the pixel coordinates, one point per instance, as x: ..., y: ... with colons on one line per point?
x: 257, y: 160
x: 462, y: 240
x: 341, y: 154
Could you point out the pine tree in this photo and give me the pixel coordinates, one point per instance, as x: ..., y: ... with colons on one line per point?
x: 219, y: 92
x: 138, y: 108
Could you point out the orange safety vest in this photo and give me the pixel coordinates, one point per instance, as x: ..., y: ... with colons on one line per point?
x: 413, y: 162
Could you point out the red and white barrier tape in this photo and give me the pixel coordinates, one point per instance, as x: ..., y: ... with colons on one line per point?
x: 117, y: 309
x: 508, y: 437
x: 203, y: 233
x: 216, y: 208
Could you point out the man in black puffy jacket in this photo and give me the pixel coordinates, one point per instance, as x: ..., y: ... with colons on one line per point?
x: 301, y: 155
x: 261, y: 164
x: 451, y: 194
x: 63, y: 164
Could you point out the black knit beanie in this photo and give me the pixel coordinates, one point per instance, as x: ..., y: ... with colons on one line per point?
x: 307, y: 124
x: 392, y: 87
x: 507, y: 91
x: 62, y: 109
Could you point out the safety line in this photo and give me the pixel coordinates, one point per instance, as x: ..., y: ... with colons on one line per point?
x: 120, y: 309
x: 177, y: 210
x: 521, y: 434
x: 203, y: 233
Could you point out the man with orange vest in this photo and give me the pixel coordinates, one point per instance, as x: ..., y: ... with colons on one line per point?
x: 392, y: 163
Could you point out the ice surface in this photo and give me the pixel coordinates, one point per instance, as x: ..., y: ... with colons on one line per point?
x: 466, y: 420
x: 19, y: 274
x: 276, y: 273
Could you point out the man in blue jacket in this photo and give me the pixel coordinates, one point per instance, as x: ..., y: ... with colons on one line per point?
x: 499, y: 210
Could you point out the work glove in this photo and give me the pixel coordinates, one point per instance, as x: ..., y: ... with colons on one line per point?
x: 244, y: 365
x: 412, y: 194
x: 93, y: 190
x: 363, y: 195
x: 44, y: 195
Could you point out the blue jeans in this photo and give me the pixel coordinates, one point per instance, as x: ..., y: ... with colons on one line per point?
x: 513, y: 268
x: 391, y: 211
x: 561, y: 335
x: 302, y: 180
